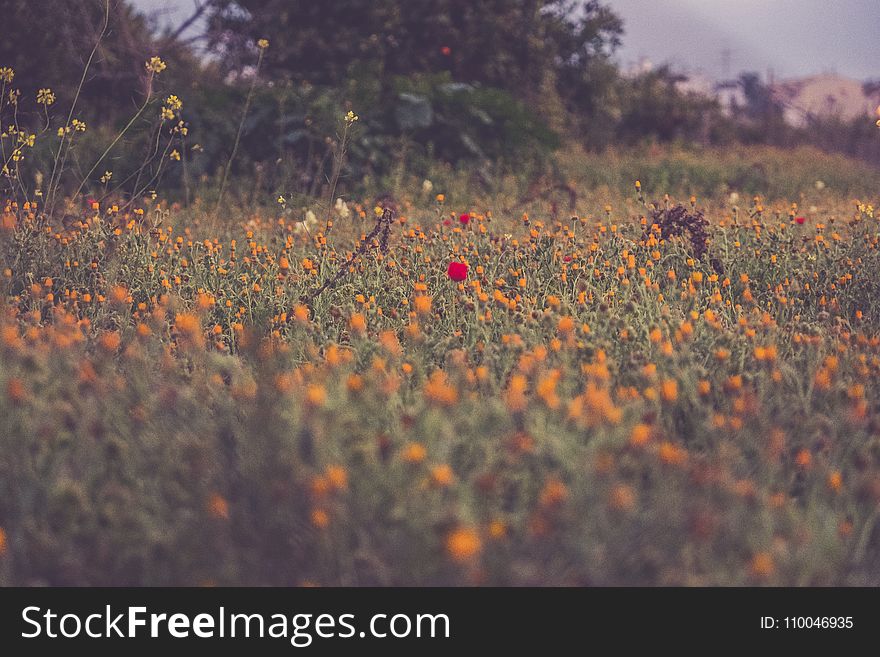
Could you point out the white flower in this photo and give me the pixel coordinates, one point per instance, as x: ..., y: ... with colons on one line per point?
x: 342, y: 208
x: 427, y: 186
x: 308, y: 222
x: 820, y: 185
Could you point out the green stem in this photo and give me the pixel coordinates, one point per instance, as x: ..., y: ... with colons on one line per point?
x: 247, y: 104
x: 119, y: 136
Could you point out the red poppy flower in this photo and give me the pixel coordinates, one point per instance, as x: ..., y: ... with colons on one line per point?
x: 457, y: 271
x: 447, y: 222
x: 446, y: 50
x: 800, y: 220
x: 464, y: 219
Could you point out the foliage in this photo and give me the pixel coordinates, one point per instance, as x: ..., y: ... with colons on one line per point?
x: 509, y: 45
x: 653, y: 107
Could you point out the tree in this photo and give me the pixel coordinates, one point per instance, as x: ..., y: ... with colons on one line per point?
x: 50, y: 51
x: 653, y: 106
x: 509, y: 44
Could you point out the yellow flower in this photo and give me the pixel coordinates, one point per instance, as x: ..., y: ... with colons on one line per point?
x: 45, y: 97
x: 262, y: 44
x: 6, y: 74
x: 351, y: 117
x: 174, y: 155
x: 174, y: 102
x: 155, y: 65
x: 167, y: 114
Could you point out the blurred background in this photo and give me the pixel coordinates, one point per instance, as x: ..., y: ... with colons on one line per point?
x: 501, y: 85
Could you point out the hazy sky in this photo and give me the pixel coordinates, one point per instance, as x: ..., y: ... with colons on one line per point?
x: 791, y: 37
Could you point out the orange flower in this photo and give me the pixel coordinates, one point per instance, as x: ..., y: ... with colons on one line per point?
x: 438, y: 389
x: 565, y: 325
x: 301, y: 313
x: 16, y: 391
x: 463, y: 544
x: 497, y: 529
x: 641, y: 433
x: 422, y: 304
x: 414, y: 453
x: 622, y: 498
x: 804, y: 459
x: 515, y: 396
x: 762, y: 565
x: 390, y: 343
x: 2, y: 542
x: 118, y: 294
x: 218, y: 507
x: 442, y: 475
x: 672, y: 454
x: 669, y: 390
x: 316, y: 395
x: 358, y: 324
x: 320, y: 518
x: 110, y: 341
x: 189, y: 329
x: 835, y: 481
x: 320, y: 486
x: 337, y: 477
x: 355, y: 382
x: 554, y: 493
x: 546, y: 389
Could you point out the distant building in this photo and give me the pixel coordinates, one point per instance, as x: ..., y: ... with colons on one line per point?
x: 640, y: 67
x: 729, y: 93
x: 730, y: 96
x: 826, y: 95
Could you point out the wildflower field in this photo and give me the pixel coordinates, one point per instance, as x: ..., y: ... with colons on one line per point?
x: 444, y: 387
x: 476, y: 399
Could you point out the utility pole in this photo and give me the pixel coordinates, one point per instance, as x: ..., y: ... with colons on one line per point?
x: 725, y: 62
